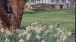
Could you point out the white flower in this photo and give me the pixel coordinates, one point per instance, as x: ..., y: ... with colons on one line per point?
x: 7, y: 40
x: 34, y: 23
x: 12, y: 41
x: 38, y: 37
x: 2, y: 30
x: 69, y: 33
x: 19, y: 35
x: 42, y: 41
x: 8, y: 32
x: 18, y: 30
x: 47, y: 31
x: 63, y: 36
x: 25, y: 32
x: 38, y: 29
x: 59, y: 30
x: 59, y: 40
x: 28, y: 36
x: 51, y: 26
x: 21, y: 40
x: 28, y: 29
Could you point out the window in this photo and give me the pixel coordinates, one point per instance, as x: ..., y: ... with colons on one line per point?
x: 63, y: 0
x: 27, y: 0
x: 68, y: 0
x: 52, y: 0
x: 30, y: 0
x: 57, y: 1
x: 38, y: 0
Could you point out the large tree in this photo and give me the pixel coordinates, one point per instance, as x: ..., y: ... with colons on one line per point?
x: 11, y: 12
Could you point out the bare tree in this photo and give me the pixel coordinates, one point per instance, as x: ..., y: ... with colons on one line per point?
x: 11, y: 20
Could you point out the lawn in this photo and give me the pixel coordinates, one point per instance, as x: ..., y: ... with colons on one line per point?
x: 52, y: 17
x: 38, y: 33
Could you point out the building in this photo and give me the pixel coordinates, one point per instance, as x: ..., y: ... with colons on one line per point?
x: 46, y: 4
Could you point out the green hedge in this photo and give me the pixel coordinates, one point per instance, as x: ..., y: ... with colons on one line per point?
x: 28, y: 11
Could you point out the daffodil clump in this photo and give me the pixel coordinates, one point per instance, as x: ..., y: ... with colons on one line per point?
x: 36, y: 33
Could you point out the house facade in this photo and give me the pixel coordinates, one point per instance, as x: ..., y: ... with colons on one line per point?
x: 46, y: 4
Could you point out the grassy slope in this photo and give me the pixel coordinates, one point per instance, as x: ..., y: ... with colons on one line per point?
x: 67, y: 17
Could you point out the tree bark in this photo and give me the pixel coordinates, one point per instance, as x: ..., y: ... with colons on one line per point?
x: 13, y: 19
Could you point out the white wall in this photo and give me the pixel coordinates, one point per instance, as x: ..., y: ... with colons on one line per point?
x: 49, y: 2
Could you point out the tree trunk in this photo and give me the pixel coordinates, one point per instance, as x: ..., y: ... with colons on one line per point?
x: 13, y: 19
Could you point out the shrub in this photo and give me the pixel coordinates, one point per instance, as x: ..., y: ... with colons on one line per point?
x: 27, y: 11
x: 38, y: 33
x: 38, y: 9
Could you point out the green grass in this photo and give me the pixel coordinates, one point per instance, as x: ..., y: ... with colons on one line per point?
x: 65, y: 16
